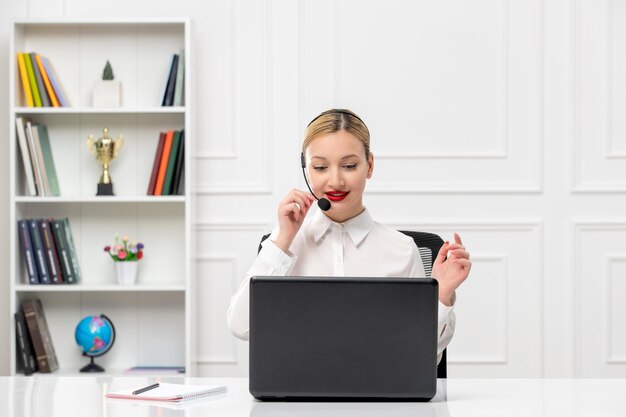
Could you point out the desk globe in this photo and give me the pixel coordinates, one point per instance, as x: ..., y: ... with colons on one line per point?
x: 95, y: 335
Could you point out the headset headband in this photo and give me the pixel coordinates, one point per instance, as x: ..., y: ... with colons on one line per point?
x: 342, y: 111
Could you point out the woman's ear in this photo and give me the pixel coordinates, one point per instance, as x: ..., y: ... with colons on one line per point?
x: 370, y: 165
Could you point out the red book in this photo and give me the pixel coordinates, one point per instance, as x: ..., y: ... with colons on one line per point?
x: 156, y: 164
x: 167, y: 147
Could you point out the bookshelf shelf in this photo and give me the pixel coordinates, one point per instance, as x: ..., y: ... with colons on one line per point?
x: 153, y: 317
x: 100, y: 288
x: 99, y: 110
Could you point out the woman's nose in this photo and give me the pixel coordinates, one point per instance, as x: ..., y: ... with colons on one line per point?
x: 336, y: 180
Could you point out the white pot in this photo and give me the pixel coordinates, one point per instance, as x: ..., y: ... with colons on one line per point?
x: 126, y: 272
x: 107, y: 93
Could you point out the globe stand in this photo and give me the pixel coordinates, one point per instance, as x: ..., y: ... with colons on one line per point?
x: 92, y: 367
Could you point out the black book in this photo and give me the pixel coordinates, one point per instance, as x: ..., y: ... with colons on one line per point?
x: 54, y: 267
x: 62, y: 245
x: 38, y: 249
x: 26, y: 358
x: 168, y: 97
x: 40, y: 335
x: 27, y: 252
x: 180, y: 164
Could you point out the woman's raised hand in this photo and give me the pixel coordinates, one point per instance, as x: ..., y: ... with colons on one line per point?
x: 291, y: 213
x: 451, y: 268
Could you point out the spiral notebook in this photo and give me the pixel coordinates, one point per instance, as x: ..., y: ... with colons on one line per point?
x: 169, y: 392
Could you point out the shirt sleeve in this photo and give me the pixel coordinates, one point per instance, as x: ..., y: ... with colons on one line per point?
x: 271, y: 260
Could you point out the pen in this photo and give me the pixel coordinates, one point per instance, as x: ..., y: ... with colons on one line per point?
x: 144, y: 389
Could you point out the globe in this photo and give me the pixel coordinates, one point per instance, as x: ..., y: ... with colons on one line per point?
x: 95, y: 335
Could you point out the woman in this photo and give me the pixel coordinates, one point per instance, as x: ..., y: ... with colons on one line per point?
x: 345, y: 240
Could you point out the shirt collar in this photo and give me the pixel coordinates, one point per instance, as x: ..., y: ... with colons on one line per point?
x: 357, y: 227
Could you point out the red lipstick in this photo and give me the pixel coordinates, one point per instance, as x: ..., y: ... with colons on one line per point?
x: 336, y: 195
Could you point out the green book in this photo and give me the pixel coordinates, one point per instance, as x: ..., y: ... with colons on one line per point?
x: 180, y: 80
x: 72, y: 250
x: 32, y: 80
x: 171, y: 164
x: 63, y: 251
x: 48, y: 160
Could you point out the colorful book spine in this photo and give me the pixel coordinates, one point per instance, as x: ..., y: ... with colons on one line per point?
x: 54, y: 80
x: 24, y: 344
x: 28, y: 94
x: 72, y: 249
x: 46, y: 81
x: 171, y: 164
x: 32, y: 80
x: 28, y: 252
x: 167, y: 148
x: 54, y: 267
x: 39, y: 251
x: 62, y: 245
x: 40, y: 335
x: 45, y: 101
x: 180, y: 167
x: 156, y: 164
x: 48, y: 160
x: 168, y: 97
x: 26, y: 161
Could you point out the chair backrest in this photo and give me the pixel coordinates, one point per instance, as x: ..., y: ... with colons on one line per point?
x: 428, y: 245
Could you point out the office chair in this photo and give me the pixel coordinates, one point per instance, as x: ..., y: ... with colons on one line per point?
x: 428, y: 245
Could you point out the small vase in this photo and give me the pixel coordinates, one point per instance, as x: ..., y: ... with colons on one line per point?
x: 126, y: 272
x: 107, y: 93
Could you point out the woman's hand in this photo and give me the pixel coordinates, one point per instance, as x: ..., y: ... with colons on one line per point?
x: 450, y: 269
x: 291, y: 212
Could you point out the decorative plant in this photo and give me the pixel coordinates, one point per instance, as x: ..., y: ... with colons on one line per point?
x: 107, y: 74
x: 124, y: 250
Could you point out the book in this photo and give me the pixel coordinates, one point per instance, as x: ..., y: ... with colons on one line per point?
x: 26, y: 161
x: 179, y: 88
x: 40, y: 335
x: 28, y: 252
x: 63, y: 251
x: 39, y: 251
x: 171, y: 164
x: 167, y: 147
x: 54, y: 80
x: 48, y: 160
x: 39, y: 159
x: 33, y: 159
x: 28, y: 94
x: 168, y: 97
x: 32, y: 80
x: 156, y: 163
x: 180, y: 167
x: 46, y: 81
x: 72, y: 250
x: 24, y: 345
x: 54, y: 267
x: 45, y: 101
x: 169, y: 392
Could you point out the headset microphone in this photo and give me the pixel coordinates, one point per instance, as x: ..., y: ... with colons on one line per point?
x: 322, y: 203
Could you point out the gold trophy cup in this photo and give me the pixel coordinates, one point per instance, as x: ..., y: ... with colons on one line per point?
x: 105, y: 149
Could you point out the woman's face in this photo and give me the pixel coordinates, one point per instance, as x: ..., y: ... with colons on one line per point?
x: 338, y: 170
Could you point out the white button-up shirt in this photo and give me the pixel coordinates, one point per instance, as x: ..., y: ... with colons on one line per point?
x: 359, y: 247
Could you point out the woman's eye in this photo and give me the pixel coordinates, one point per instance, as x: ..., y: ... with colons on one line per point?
x: 319, y: 167
x: 350, y: 166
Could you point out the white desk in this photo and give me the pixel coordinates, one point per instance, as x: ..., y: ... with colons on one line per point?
x: 83, y: 396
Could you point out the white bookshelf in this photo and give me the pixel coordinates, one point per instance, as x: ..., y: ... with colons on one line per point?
x: 153, y: 317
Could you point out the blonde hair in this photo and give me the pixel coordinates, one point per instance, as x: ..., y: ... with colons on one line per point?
x: 335, y: 120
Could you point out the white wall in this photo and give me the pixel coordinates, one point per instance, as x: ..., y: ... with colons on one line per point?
x: 499, y: 119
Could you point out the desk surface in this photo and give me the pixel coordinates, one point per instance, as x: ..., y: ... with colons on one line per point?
x: 83, y: 396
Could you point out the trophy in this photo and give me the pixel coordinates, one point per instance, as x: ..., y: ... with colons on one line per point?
x: 105, y: 149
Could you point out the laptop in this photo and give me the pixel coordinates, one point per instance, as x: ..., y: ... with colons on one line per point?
x: 343, y: 338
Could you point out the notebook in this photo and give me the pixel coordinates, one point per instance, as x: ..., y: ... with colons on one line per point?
x: 169, y: 392
x: 343, y: 337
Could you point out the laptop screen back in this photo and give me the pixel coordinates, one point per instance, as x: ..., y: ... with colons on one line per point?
x: 343, y: 337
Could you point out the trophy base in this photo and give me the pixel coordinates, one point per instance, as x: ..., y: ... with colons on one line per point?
x: 105, y: 189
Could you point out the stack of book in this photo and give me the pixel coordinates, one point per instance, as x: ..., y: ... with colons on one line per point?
x: 48, y: 251
x: 175, y: 86
x: 40, y: 83
x: 168, y: 169
x: 35, y: 350
x: 39, y: 169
